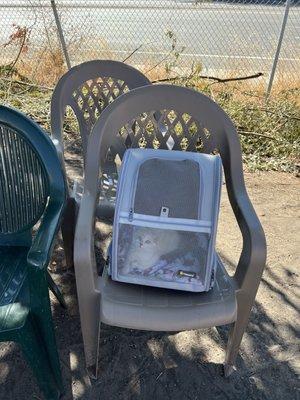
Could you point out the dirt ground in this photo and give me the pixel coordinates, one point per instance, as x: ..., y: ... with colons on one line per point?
x: 187, y: 365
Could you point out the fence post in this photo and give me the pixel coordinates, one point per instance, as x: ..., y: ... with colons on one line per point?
x: 277, y: 53
x: 60, y: 34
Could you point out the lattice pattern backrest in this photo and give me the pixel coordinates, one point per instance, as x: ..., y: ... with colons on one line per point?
x: 23, y: 183
x: 168, y: 129
x: 93, y: 96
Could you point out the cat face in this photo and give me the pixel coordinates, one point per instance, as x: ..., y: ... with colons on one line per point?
x: 147, y: 242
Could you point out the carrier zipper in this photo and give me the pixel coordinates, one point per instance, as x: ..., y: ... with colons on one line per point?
x: 212, y: 278
x: 133, y: 190
x: 164, y: 222
x: 130, y: 215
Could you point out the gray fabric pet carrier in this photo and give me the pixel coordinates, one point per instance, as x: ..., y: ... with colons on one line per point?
x: 166, y: 219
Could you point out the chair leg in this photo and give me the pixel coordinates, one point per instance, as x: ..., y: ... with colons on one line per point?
x: 89, y: 308
x: 244, y: 305
x: 93, y: 370
x: 55, y: 290
x: 68, y: 231
x: 37, y: 358
x: 44, y: 323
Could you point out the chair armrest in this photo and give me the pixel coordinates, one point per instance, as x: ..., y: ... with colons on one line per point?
x: 253, y: 256
x: 84, y: 252
x: 41, y: 248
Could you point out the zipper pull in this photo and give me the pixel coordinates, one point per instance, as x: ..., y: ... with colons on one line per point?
x: 130, y: 216
x: 212, y: 279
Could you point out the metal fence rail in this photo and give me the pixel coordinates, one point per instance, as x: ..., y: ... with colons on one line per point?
x: 224, y: 38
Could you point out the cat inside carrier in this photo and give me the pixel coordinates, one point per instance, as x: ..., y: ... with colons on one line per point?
x: 166, y: 219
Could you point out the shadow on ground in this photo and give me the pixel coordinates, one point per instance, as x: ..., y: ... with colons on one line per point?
x: 151, y: 365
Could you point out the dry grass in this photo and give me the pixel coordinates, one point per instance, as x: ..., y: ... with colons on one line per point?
x: 46, y: 69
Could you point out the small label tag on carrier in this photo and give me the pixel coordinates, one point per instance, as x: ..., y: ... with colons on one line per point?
x: 164, y: 212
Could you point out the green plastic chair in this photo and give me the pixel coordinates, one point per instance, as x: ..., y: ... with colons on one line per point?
x: 32, y: 191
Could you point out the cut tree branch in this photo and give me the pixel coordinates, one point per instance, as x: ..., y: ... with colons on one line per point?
x: 213, y: 78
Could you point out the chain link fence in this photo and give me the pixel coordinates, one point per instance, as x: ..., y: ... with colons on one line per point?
x: 162, y: 38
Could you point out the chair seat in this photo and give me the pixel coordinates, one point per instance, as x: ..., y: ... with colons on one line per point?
x: 14, y: 294
x: 106, y: 205
x: 147, y: 308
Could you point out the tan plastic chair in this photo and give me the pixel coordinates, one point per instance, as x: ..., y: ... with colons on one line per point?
x: 88, y: 89
x: 192, y: 122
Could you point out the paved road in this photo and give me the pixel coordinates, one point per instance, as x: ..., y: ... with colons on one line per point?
x: 220, y: 36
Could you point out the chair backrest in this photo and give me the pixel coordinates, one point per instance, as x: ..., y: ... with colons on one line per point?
x: 88, y: 89
x: 30, y: 174
x: 192, y: 122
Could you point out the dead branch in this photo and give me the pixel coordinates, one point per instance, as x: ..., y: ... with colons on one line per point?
x: 26, y: 83
x: 214, y: 78
x: 249, y: 133
x: 21, y: 36
x: 159, y: 63
x: 171, y: 79
x: 17, y: 58
x: 132, y: 53
x: 278, y: 115
x: 238, y: 78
